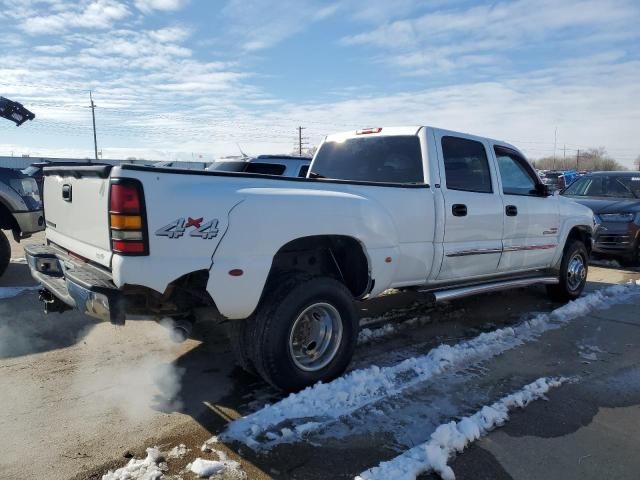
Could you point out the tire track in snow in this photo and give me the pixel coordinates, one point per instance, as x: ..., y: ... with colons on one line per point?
x: 312, y: 409
x: 453, y: 437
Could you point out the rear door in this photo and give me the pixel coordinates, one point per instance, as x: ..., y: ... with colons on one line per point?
x: 472, y: 242
x: 531, y: 221
x: 76, y: 202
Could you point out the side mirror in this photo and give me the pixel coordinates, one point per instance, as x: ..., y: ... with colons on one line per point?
x: 543, y: 190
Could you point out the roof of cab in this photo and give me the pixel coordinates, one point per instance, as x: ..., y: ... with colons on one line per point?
x: 405, y: 130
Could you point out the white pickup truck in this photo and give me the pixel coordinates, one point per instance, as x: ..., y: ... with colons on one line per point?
x: 283, y: 259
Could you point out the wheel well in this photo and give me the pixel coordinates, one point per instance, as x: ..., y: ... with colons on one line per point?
x: 583, y: 234
x: 7, y: 220
x: 339, y: 256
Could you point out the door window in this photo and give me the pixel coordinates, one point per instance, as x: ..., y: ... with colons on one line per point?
x: 466, y: 165
x: 517, y: 177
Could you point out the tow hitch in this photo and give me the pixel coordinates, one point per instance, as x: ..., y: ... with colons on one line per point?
x: 51, y: 303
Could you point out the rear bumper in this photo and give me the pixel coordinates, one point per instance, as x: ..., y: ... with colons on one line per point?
x: 75, y: 284
x: 30, y: 222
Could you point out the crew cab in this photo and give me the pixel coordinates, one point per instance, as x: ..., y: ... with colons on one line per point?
x: 283, y: 259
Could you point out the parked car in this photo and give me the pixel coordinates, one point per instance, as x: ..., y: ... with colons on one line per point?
x: 614, y: 198
x: 557, y: 180
x: 285, y: 165
x: 283, y: 258
x: 20, y: 210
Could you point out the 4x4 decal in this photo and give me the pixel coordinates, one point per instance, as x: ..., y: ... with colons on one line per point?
x: 178, y: 228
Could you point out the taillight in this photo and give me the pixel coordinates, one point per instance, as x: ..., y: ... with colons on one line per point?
x: 127, y: 218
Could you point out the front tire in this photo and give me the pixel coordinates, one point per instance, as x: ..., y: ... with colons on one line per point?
x: 5, y: 252
x: 305, y: 331
x: 573, y: 273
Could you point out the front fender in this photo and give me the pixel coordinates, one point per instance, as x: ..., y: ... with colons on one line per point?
x: 268, y: 219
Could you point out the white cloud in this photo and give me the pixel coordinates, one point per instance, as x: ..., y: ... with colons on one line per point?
x: 97, y: 14
x: 461, y: 37
x: 163, y: 5
x: 261, y: 24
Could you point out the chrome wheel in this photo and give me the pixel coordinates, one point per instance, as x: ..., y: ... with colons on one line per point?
x: 315, y: 337
x: 576, y: 272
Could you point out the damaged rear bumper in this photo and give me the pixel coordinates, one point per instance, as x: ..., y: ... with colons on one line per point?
x: 69, y: 283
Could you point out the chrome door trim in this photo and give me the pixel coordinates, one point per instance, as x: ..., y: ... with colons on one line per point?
x: 475, y: 251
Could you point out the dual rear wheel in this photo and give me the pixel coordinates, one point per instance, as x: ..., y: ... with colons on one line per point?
x: 304, y: 331
x: 306, y: 328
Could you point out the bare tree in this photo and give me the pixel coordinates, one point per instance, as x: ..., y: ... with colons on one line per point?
x: 636, y: 162
x: 592, y: 159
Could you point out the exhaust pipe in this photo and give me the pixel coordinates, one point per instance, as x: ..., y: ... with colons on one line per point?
x: 179, y: 329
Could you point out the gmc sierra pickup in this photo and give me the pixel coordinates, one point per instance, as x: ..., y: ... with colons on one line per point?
x: 283, y: 259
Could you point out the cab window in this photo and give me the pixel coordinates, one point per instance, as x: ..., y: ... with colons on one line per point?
x: 466, y: 165
x: 517, y: 177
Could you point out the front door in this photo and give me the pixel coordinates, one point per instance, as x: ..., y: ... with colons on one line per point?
x: 531, y: 221
x: 472, y: 242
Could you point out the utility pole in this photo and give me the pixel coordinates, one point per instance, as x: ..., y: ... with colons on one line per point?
x: 93, y: 116
x: 300, y: 142
x: 555, y: 141
x: 578, y: 160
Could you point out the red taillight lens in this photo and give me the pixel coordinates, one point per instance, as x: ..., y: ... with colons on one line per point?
x: 127, y: 218
x: 122, y: 246
x: 124, y: 198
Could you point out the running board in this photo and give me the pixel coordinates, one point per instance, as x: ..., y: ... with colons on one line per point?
x: 459, y: 292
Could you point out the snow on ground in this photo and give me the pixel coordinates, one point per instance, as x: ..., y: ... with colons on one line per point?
x: 289, y: 419
x: 9, y: 292
x: 453, y: 437
x: 148, y: 468
x: 222, y: 467
x: 178, y: 451
x: 368, y: 335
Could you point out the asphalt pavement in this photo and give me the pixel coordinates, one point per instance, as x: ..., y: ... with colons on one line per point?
x: 78, y: 395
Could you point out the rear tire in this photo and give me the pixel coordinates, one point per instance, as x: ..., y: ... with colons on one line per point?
x: 240, y: 338
x: 5, y: 252
x: 573, y: 273
x: 305, y: 331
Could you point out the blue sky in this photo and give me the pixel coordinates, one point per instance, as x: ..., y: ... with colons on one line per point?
x: 177, y: 78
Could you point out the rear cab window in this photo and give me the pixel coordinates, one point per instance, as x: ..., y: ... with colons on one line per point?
x: 466, y: 165
x: 395, y: 159
x: 266, y: 168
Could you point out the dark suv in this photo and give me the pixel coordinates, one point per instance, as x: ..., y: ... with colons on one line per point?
x: 614, y: 198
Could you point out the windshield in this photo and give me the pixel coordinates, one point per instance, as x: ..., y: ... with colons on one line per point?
x: 616, y: 186
x: 384, y: 159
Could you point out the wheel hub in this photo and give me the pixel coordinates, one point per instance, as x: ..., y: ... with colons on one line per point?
x: 576, y: 272
x: 315, y: 337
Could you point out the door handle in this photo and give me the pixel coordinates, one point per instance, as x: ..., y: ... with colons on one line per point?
x: 459, y: 210
x: 66, y: 192
x: 511, y: 210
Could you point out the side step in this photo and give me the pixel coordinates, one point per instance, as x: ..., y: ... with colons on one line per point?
x: 459, y: 292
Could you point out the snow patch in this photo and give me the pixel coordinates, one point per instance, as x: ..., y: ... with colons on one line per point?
x: 179, y: 451
x: 9, y: 292
x: 367, y: 335
x: 324, y: 403
x: 453, y: 437
x: 146, y: 469
x: 206, y: 468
